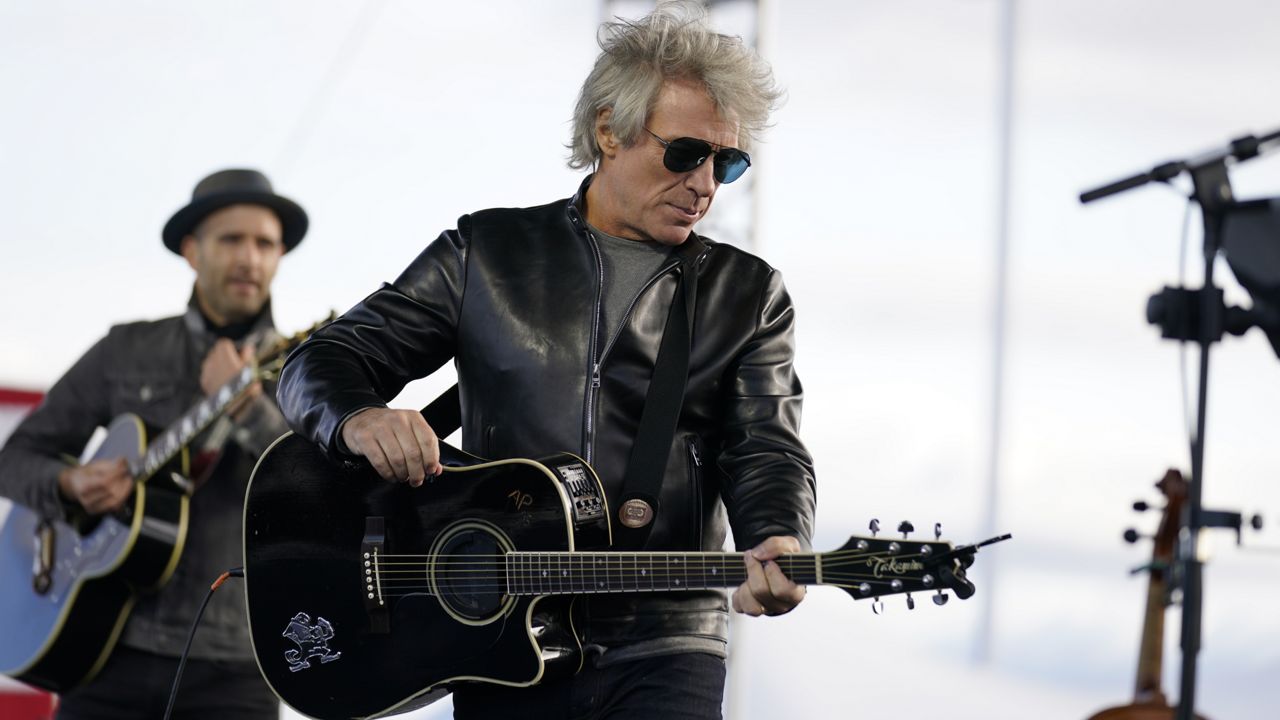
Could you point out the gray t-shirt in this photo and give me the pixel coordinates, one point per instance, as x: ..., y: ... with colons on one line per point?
x: 628, y: 265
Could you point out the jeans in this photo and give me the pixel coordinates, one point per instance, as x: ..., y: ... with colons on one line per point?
x: 135, y: 685
x: 672, y: 687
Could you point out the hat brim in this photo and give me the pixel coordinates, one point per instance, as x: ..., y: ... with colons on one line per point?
x: 293, y: 219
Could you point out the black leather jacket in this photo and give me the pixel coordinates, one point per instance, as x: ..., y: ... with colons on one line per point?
x: 513, y: 297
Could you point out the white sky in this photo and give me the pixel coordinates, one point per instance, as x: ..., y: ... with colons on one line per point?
x: 387, y: 120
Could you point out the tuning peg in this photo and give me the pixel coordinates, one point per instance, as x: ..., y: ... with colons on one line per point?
x: 911, y: 603
x: 874, y: 526
x: 1141, y: 506
x: 941, y: 598
x: 937, y: 531
x: 905, y: 527
x: 1132, y: 536
x: 877, y: 606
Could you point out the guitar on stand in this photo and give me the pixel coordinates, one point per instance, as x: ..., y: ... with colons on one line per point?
x: 1149, y: 701
x: 68, y: 587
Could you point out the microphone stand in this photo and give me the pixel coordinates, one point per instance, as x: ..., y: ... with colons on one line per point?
x: 1212, y: 191
x: 1199, y: 316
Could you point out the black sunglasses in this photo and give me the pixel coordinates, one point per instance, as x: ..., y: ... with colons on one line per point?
x: 686, y: 153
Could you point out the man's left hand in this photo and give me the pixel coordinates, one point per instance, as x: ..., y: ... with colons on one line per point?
x: 767, y: 591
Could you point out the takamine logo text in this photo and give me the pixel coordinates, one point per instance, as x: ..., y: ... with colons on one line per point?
x: 893, y: 566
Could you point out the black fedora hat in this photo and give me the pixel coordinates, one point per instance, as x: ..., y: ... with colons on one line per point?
x: 231, y: 187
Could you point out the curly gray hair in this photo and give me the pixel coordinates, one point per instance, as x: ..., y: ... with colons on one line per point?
x: 674, y: 41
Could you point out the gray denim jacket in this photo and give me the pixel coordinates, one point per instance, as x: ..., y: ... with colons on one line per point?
x: 152, y: 369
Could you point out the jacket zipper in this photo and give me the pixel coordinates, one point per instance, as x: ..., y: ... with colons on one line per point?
x: 596, y: 360
x: 588, y: 430
x: 695, y: 492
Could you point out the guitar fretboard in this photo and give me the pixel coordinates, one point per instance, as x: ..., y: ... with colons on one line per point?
x: 183, y: 430
x: 554, y: 573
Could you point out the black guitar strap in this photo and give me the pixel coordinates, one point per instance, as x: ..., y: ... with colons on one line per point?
x: 647, y: 463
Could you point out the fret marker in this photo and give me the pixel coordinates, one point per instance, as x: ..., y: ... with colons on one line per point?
x: 644, y: 572
x: 715, y: 571
x: 565, y: 573
x: 677, y: 582
x: 544, y: 573
x: 601, y: 583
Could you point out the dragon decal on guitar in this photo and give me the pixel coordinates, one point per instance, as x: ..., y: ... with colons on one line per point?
x: 312, y: 640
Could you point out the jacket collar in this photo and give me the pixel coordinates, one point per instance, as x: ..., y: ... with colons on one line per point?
x: 263, y: 325
x: 693, y: 247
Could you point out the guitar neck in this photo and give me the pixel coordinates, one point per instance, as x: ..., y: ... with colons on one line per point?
x: 1151, y: 649
x: 182, y: 431
x: 553, y: 573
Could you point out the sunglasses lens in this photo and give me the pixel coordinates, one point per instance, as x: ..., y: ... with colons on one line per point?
x: 730, y: 163
x: 685, y: 154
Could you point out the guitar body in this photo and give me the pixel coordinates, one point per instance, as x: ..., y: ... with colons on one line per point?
x: 335, y: 640
x: 1140, y: 711
x: 68, y: 590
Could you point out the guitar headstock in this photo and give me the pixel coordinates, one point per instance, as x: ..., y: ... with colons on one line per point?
x: 1174, y: 487
x: 271, y: 360
x: 876, y: 566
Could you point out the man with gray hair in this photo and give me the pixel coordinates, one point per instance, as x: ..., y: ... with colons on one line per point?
x: 555, y: 317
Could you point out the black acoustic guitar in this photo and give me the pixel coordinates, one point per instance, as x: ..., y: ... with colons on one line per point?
x: 369, y: 598
x: 66, y: 588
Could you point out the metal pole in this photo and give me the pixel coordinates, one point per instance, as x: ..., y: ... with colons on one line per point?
x: 1004, y: 169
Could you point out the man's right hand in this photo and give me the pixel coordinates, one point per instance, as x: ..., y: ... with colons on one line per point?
x: 398, y: 443
x: 100, y: 486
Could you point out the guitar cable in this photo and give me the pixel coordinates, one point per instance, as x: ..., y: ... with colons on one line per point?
x: 182, y: 662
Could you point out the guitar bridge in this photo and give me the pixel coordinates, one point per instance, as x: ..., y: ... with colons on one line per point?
x: 372, y: 548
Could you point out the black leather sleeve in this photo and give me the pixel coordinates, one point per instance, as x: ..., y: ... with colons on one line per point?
x: 403, y: 331
x: 767, y: 475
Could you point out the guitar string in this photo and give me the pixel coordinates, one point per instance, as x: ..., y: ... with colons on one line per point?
x: 503, y: 590
x: 583, y: 564
x: 616, y: 569
x: 585, y: 585
x: 834, y: 557
x: 500, y: 581
x: 619, y: 577
x: 677, y: 554
x: 467, y: 568
x: 540, y: 574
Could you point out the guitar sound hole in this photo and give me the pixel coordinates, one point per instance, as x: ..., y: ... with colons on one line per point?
x: 470, y: 574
